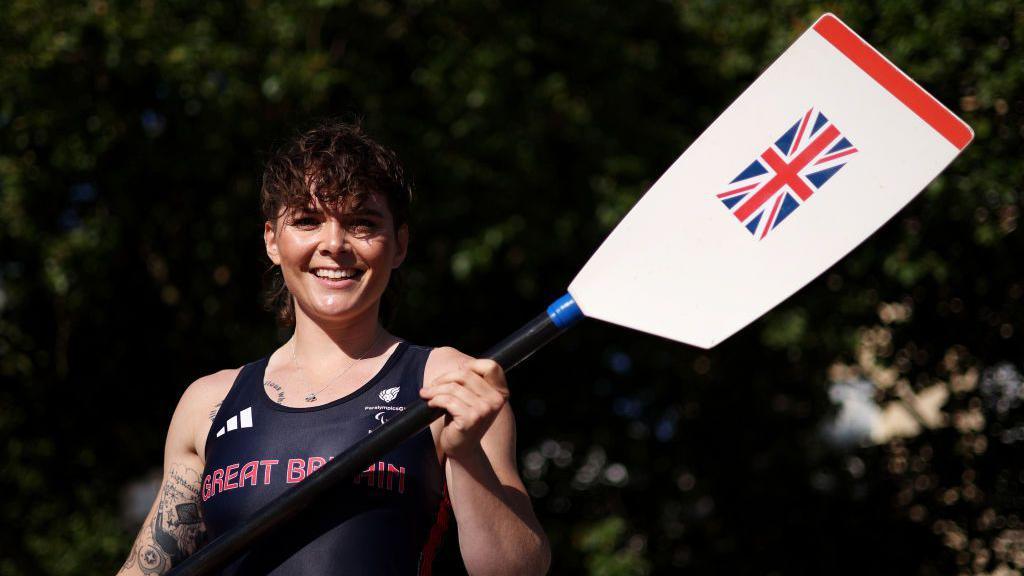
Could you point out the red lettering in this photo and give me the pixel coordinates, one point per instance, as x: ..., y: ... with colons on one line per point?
x: 218, y: 481
x: 380, y: 474
x: 267, y: 465
x: 368, y: 474
x: 296, y: 470
x: 249, y: 472
x: 315, y: 463
x: 230, y: 473
x: 206, y: 488
x: 401, y: 478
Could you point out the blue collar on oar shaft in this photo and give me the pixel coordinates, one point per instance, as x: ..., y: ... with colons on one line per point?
x: 519, y: 345
x: 558, y: 318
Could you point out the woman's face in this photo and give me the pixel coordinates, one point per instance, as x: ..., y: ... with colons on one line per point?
x: 337, y: 264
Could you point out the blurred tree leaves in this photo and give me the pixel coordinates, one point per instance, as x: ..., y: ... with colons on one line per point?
x: 601, y: 541
x: 131, y: 140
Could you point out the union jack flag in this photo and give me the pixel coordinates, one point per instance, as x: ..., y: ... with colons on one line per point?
x: 787, y: 173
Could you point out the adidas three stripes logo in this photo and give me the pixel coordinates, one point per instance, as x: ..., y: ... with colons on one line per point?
x: 243, y: 420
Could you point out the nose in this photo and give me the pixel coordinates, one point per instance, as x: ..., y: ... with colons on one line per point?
x: 334, y: 238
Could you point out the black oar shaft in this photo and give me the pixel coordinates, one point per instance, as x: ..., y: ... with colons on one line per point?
x: 511, y: 351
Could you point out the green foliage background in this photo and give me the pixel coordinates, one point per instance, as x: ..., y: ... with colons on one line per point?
x: 131, y: 141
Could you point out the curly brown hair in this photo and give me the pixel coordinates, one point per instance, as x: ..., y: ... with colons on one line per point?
x: 341, y: 165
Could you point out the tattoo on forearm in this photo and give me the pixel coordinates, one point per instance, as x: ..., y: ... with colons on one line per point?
x: 177, y: 530
x: 214, y: 410
x: 277, y: 388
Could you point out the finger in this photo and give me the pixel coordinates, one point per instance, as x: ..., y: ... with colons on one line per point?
x: 460, y: 391
x: 446, y: 387
x: 490, y: 371
x: 451, y: 376
x: 488, y: 393
x: 462, y: 414
x: 475, y: 379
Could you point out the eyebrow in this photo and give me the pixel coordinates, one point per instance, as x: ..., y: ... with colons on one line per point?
x: 355, y: 211
x: 367, y: 212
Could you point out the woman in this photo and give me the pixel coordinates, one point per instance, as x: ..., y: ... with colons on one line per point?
x: 335, y: 205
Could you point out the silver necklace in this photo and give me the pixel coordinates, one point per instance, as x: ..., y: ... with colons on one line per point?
x: 311, y: 397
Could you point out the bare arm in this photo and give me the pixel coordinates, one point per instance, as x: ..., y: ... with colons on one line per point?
x: 174, y: 527
x: 498, y: 530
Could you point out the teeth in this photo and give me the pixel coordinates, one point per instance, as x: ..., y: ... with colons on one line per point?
x: 335, y: 274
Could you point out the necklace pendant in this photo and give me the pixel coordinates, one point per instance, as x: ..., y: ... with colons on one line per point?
x: 311, y: 398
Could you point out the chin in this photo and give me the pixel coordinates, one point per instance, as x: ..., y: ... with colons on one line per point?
x: 323, y: 311
x: 334, y: 313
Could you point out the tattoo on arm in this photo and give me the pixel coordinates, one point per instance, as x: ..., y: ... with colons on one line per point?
x: 177, y: 530
x: 214, y: 410
x: 277, y: 388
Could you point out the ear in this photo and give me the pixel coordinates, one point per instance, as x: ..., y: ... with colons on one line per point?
x: 270, y: 240
x: 402, y: 248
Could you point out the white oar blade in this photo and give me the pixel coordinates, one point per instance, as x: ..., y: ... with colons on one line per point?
x: 822, y: 149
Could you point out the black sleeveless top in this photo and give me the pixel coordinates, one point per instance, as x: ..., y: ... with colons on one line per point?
x: 388, y: 520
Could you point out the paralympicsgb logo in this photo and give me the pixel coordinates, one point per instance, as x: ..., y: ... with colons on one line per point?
x: 785, y: 175
x: 389, y: 394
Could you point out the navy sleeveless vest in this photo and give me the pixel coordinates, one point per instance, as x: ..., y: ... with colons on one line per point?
x: 387, y: 520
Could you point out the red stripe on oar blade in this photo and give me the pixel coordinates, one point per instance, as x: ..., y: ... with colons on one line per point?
x: 894, y: 81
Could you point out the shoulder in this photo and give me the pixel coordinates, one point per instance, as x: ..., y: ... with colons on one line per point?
x: 209, y: 389
x: 196, y: 409
x: 443, y: 359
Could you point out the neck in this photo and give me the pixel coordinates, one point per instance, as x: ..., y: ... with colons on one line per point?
x: 321, y: 347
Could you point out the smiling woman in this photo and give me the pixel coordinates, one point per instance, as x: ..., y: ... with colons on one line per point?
x: 335, y: 170
x: 335, y: 207
x: 336, y: 262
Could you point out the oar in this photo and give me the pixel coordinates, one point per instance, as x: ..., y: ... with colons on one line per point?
x: 823, y: 148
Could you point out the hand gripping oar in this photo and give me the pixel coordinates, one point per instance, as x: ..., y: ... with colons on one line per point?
x: 823, y: 148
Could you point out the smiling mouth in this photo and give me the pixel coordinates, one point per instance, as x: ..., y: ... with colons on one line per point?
x: 337, y: 274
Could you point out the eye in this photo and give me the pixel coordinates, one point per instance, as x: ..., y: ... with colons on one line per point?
x: 362, y: 226
x: 305, y: 221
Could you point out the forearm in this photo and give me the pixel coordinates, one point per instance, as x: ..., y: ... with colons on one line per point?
x: 498, y: 532
x: 145, y: 557
x: 174, y: 528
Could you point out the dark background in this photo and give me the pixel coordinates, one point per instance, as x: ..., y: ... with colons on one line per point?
x: 871, y: 424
